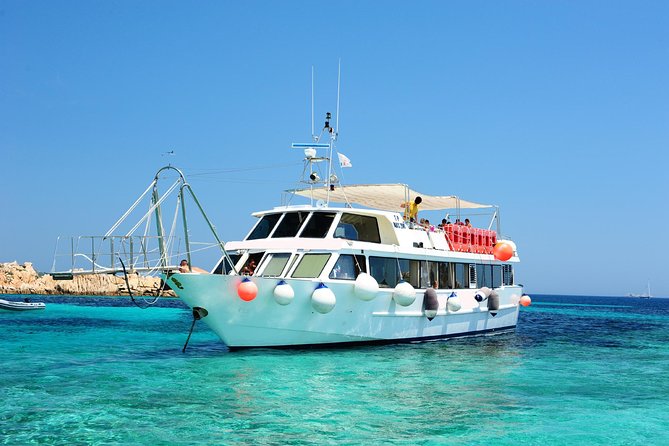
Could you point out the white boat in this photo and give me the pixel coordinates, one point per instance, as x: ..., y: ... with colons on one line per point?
x: 345, y: 268
x: 647, y: 295
x: 21, y: 306
x: 358, y: 272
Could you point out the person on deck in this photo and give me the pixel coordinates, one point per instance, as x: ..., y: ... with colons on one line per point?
x: 183, y: 266
x: 411, y: 209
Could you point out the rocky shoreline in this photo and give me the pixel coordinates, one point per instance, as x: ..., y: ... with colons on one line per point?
x: 18, y: 278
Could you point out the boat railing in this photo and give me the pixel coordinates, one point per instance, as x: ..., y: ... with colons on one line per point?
x: 157, y: 250
x: 92, y: 254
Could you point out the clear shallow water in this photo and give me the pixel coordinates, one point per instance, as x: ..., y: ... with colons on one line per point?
x: 578, y: 370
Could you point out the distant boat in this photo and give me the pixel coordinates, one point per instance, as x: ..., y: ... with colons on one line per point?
x: 21, y: 306
x: 642, y: 296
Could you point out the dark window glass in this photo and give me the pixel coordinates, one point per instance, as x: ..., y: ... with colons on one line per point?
x: 388, y: 270
x: 445, y: 276
x: 348, y: 267
x: 496, y: 276
x: 252, y: 261
x: 358, y: 227
x: 384, y: 270
x: 290, y: 224
x: 428, y: 274
x: 411, y: 272
x: 461, y: 275
x: 480, y: 276
x: 431, y: 274
x: 224, y: 266
x: 488, y: 275
x: 264, y: 227
x: 318, y: 225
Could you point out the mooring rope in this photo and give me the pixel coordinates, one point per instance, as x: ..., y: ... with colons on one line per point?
x: 147, y: 304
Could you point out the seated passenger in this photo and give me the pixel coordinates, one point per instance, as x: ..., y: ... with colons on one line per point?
x: 249, y: 268
x: 183, y: 266
x: 467, y: 223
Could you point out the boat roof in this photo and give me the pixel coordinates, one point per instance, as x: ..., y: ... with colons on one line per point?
x: 387, y: 197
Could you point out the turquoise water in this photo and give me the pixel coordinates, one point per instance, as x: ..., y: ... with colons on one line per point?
x: 578, y: 370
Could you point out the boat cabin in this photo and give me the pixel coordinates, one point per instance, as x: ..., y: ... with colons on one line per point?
x: 315, y: 242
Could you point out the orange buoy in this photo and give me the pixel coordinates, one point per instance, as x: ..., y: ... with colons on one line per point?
x: 247, y: 290
x: 503, y: 251
x: 525, y: 300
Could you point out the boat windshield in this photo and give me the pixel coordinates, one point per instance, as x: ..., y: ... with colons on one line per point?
x: 290, y: 224
x: 318, y: 225
x: 264, y: 227
x: 224, y: 266
x: 358, y: 227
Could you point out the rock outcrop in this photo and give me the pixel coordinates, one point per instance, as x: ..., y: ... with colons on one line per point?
x: 23, y: 279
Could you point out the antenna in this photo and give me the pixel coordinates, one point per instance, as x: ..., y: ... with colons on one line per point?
x: 338, y: 89
x: 312, y: 104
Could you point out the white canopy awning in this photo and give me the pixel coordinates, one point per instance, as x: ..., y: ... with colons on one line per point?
x: 386, y: 197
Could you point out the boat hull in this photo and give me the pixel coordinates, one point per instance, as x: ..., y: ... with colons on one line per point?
x: 262, y: 322
x: 21, y: 306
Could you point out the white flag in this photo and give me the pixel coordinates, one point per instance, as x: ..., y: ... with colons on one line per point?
x: 344, y: 161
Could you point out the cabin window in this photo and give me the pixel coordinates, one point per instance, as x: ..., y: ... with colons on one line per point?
x: 224, y: 266
x: 348, y: 267
x: 318, y: 225
x: 362, y: 228
x: 251, y: 264
x: 461, y: 271
x: 385, y: 271
x: 410, y: 271
x: 429, y: 274
x: 389, y: 270
x: 275, y: 264
x: 424, y: 274
x: 290, y: 224
x: 264, y: 227
x: 507, y: 274
x: 445, y: 276
x: 489, y: 276
x: 311, y: 265
x: 496, y: 276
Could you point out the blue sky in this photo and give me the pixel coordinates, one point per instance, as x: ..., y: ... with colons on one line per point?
x: 556, y: 111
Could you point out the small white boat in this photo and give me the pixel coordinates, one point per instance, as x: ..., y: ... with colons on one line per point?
x: 21, y: 306
x: 642, y: 296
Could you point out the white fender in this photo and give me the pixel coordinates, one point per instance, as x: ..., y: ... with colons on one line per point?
x: 454, y: 303
x: 366, y: 287
x: 283, y: 293
x: 323, y: 299
x: 404, y: 294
